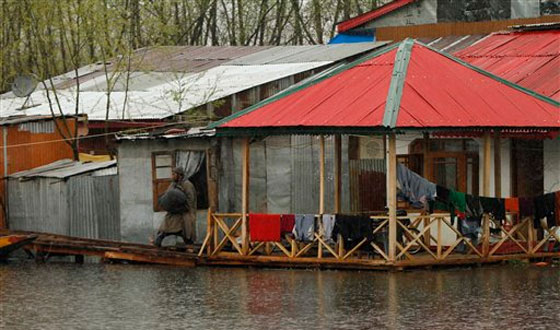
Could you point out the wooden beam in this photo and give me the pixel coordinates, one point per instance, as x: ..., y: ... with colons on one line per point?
x: 337, y: 172
x: 245, y: 197
x: 150, y: 259
x: 497, y: 165
x: 322, y: 175
x: 487, y: 165
x: 392, y: 196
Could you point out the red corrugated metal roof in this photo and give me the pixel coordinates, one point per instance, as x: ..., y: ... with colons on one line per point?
x: 371, y: 15
x: 530, y: 59
x: 437, y: 91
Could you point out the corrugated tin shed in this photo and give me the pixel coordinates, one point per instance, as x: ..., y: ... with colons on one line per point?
x: 162, y: 92
x: 530, y: 59
x: 66, y: 198
x: 412, y: 86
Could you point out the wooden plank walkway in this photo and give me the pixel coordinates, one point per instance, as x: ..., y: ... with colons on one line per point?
x: 47, y: 245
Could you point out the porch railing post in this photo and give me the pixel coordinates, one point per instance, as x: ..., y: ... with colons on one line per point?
x: 245, y: 197
x: 322, y: 175
x: 392, y: 196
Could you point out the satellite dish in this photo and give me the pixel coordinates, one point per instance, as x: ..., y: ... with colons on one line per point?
x: 23, y: 85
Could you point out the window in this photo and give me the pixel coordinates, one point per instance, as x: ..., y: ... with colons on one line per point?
x: 162, y: 165
x: 452, y: 163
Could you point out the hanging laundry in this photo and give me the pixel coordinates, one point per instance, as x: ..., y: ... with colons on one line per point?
x: 415, y: 189
x: 512, y: 204
x: 494, y: 206
x: 441, y: 202
x: 545, y: 208
x: 526, y: 207
x: 474, y: 208
x: 304, y: 227
x: 264, y: 227
x: 452, y: 201
x: 328, y: 221
x: 353, y: 229
x: 287, y: 222
x: 459, y: 201
x: 442, y: 194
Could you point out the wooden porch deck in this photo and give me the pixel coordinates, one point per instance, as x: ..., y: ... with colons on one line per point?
x: 47, y: 245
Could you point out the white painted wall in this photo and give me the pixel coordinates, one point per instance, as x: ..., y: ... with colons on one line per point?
x: 138, y: 219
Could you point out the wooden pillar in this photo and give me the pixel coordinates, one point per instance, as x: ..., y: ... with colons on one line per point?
x: 337, y: 172
x: 426, y: 174
x: 245, y: 197
x: 321, y: 189
x: 322, y: 175
x: 392, y: 196
x: 486, y: 168
x: 212, y: 177
x: 497, y: 165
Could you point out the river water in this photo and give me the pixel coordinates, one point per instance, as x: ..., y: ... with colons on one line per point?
x: 102, y: 296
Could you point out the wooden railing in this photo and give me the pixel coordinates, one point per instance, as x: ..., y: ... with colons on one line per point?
x: 424, y: 233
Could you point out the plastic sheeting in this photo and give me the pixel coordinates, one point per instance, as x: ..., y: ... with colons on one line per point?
x: 343, y: 38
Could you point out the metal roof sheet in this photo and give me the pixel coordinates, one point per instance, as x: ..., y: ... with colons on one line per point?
x: 65, y: 168
x: 530, y: 59
x: 158, y: 101
x: 152, y: 94
x: 371, y: 15
x: 438, y: 91
x: 299, y: 54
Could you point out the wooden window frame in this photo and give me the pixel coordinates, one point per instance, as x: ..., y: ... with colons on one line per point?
x: 463, y: 157
x: 160, y: 185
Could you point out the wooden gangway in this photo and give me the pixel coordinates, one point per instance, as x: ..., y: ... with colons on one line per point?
x: 47, y: 245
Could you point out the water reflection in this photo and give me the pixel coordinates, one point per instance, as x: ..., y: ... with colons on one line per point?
x: 68, y: 296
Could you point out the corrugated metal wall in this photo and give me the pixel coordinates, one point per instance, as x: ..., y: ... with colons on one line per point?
x: 457, y: 29
x: 284, y: 175
x: 367, y: 185
x: 82, y: 206
x: 38, y: 205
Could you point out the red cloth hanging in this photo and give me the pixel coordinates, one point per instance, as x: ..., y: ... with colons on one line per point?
x: 512, y: 204
x: 287, y: 223
x: 264, y: 227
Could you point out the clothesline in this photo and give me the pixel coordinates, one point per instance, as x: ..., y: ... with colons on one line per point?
x: 420, y: 192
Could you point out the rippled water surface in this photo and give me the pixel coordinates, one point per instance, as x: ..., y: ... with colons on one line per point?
x: 98, y: 296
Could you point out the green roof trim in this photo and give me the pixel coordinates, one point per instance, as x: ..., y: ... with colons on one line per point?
x: 493, y: 76
x: 290, y: 91
x: 394, y: 95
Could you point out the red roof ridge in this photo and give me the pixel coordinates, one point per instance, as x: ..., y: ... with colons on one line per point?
x: 371, y: 15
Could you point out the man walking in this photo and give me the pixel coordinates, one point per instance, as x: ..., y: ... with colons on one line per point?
x: 181, y: 223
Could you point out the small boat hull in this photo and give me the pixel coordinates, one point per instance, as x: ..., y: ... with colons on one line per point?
x: 13, y: 242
